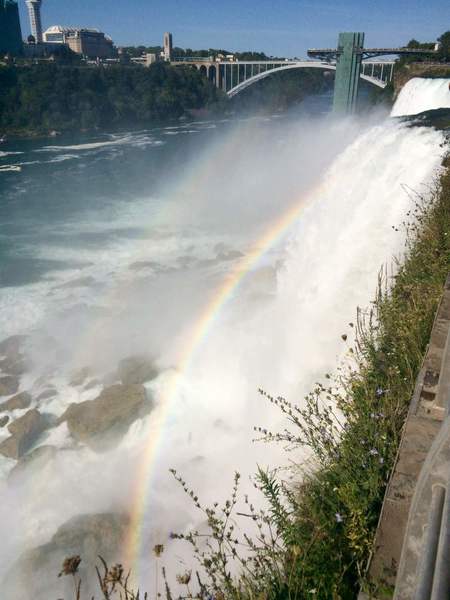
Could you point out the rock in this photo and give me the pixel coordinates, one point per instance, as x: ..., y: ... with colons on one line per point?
x: 80, y: 376
x: 91, y: 384
x: 9, y: 384
x: 4, y: 421
x: 46, y: 394
x: 100, y: 423
x: 36, y: 459
x: 19, y: 401
x: 24, y: 432
x: 136, y: 369
x: 230, y: 255
x: 34, y: 575
x: 12, y: 346
x: 80, y: 282
x: 14, y: 366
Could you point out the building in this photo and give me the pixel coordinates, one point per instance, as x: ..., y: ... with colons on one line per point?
x: 34, y: 12
x: 168, y: 47
x: 10, y: 32
x: 90, y: 43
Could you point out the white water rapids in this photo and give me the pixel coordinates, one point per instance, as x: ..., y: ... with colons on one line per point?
x: 420, y: 94
x: 280, y: 330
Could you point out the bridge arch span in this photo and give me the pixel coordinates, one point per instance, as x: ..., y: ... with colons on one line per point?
x: 297, y: 65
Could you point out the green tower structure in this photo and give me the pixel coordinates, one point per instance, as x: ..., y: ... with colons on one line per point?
x: 348, y: 67
x: 10, y: 32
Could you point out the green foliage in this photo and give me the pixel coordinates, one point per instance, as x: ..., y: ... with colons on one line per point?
x: 444, y: 46
x: 46, y: 97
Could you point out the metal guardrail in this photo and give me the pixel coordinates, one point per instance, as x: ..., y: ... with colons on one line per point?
x: 424, y: 569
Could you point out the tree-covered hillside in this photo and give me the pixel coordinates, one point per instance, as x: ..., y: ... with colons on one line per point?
x: 39, y: 98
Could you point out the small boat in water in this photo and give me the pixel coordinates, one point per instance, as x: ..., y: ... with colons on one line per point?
x: 16, y: 168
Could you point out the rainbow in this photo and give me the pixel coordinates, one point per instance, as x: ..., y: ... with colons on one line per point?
x: 227, y: 289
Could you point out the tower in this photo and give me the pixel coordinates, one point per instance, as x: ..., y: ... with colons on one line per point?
x: 10, y: 33
x: 34, y: 11
x: 168, y: 46
x: 348, y: 68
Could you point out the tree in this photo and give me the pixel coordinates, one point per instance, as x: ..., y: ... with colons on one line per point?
x: 444, y: 46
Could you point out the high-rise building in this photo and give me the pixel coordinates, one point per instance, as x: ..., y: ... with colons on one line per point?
x: 34, y: 12
x: 10, y: 33
x: 167, y: 46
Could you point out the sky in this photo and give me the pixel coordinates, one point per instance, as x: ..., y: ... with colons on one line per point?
x: 277, y: 27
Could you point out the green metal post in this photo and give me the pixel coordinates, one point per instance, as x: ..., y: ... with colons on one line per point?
x: 348, y: 68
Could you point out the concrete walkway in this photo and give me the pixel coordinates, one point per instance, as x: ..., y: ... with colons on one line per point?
x: 410, y: 486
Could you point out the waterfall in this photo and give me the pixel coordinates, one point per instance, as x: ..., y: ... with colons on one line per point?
x: 421, y: 94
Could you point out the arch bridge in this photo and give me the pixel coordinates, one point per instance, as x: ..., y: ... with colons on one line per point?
x: 350, y: 60
x: 235, y: 76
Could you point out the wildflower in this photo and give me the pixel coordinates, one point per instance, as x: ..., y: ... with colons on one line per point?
x: 381, y: 460
x: 379, y: 392
x: 185, y: 578
x: 313, y: 591
x: 373, y: 452
x: 70, y: 566
x: 339, y: 518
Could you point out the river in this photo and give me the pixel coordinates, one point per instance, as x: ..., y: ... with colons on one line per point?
x: 230, y: 254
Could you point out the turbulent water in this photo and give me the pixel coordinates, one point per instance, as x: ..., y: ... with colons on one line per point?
x: 420, y: 94
x: 118, y: 245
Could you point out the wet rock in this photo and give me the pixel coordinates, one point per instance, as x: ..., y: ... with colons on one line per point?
x: 12, y: 346
x: 80, y: 376
x: 17, y: 402
x: 91, y: 384
x: 229, y: 255
x: 37, y: 459
x: 14, y: 366
x: 80, y: 282
x: 47, y: 394
x: 34, y: 575
x: 136, y: 369
x: 9, y: 384
x: 4, y: 421
x: 145, y: 264
x: 100, y: 423
x: 24, y: 432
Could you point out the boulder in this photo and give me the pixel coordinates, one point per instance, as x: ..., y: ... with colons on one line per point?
x: 34, y: 575
x: 100, y: 423
x: 75, y: 283
x: 14, y: 365
x: 24, y: 432
x: 47, y: 394
x: 136, y: 369
x: 19, y: 401
x: 9, y: 384
x: 4, y: 421
x: 12, y: 346
x: 35, y: 459
x: 80, y: 376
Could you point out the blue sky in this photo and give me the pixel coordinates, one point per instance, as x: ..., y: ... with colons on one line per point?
x: 277, y: 27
